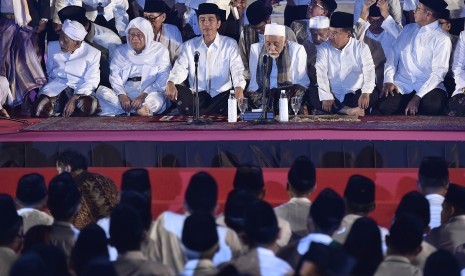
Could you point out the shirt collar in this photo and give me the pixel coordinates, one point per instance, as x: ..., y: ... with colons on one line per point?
x: 202, y: 264
x: 431, y: 26
x: 304, y: 243
x: 397, y: 259
x: 215, y: 43
x: 300, y: 200
x: 133, y: 255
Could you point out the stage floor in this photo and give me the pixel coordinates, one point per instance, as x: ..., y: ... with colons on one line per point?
x: 331, y: 142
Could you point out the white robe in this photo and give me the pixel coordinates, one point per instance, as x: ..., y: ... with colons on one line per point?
x: 79, y: 70
x: 297, y: 69
x: 5, y: 92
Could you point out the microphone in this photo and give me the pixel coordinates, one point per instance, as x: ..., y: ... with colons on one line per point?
x: 196, y: 56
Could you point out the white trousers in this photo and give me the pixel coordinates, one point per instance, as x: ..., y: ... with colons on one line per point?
x: 110, y: 105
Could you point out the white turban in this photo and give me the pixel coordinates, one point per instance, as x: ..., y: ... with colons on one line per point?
x: 145, y: 27
x: 319, y: 22
x: 74, y: 30
x: 275, y: 29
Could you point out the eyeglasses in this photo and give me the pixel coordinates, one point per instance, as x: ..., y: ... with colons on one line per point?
x: 153, y: 18
x: 139, y: 36
x: 420, y: 9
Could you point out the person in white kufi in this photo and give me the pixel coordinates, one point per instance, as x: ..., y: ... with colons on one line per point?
x: 287, y: 69
x: 73, y: 68
x: 319, y: 33
x: 139, y: 72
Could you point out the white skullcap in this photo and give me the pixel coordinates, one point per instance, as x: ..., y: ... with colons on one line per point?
x: 275, y: 29
x: 319, y: 22
x: 74, y: 30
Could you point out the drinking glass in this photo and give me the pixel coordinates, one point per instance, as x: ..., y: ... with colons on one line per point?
x: 295, y: 104
x: 242, y: 103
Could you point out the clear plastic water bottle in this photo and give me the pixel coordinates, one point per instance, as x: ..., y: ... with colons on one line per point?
x: 283, y: 107
x: 232, y: 107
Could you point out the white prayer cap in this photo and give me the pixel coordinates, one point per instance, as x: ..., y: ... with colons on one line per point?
x: 74, y: 30
x: 275, y: 29
x: 319, y: 22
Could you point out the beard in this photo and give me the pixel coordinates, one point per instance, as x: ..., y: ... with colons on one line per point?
x: 274, y: 56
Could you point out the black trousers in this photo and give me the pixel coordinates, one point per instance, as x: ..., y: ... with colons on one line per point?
x: 292, y: 13
x: 433, y: 103
x: 350, y: 100
x: 457, y: 105
x: 208, y: 105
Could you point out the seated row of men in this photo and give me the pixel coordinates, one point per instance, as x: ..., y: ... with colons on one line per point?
x: 375, y: 66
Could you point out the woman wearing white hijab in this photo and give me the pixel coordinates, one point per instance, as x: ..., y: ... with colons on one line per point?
x: 139, y: 72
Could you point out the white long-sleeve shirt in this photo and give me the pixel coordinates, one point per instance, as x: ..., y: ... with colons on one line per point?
x: 419, y: 59
x: 297, y: 69
x: 272, y: 265
x: 458, y: 66
x: 112, y: 9
x: 79, y: 70
x: 220, y: 65
x: 344, y: 71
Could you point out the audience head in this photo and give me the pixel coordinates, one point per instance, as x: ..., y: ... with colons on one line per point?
x: 155, y: 13
x: 360, y: 195
x: 11, y: 228
x: 235, y: 208
x: 258, y: 15
x: 301, y: 177
x: 29, y: 264
x: 261, y: 224
x: 444, y: 20
x: 319, y: 29
x: 405, y: 236
x: 433, y: 175
x: 454, y: 202
x: 126, y: 229
x: 326, y: 212
x: 250, y: 177
x: 139, y: 33
x: 64, y: 197
x: 91, y: 243
x: 323, y: 260
x: 199, y: 236
x: 201, y: 194
x: 364, y: 244
x: 71, y: 36
x: 275, y: 39
x: 321, y: 8
x: 31, y: 191
x: 210, y: 17
x: 442, y: 262
x: 71, y: 161
x: 340, y: 29
x: 416, y: 204
x: 53, y: 257
x: 428, y: 11
x: 137, y: 180
x: 38, y: 234
x: 140, y: 203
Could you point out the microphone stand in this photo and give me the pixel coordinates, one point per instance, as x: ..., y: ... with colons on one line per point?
x: 197, y: 120
x: 263, y: 120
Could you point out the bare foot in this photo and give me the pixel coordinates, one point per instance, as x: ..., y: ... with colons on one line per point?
x: 354, y: 111
x: 4, y: 113
x: 144, y: 111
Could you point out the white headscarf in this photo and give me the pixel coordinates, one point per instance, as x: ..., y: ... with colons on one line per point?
x: 74, y: 30
x: 145, y: 27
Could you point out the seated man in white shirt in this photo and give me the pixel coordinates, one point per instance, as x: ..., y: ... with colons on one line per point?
x: 319, y: 33
x: 287, y: 68
x: 73, y: 72
x: 167, y: 34
x: 345, y: 72
x: 258, y: 15
x: 139, y: 70
x: 220, y: 68
x: 415, y: 69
